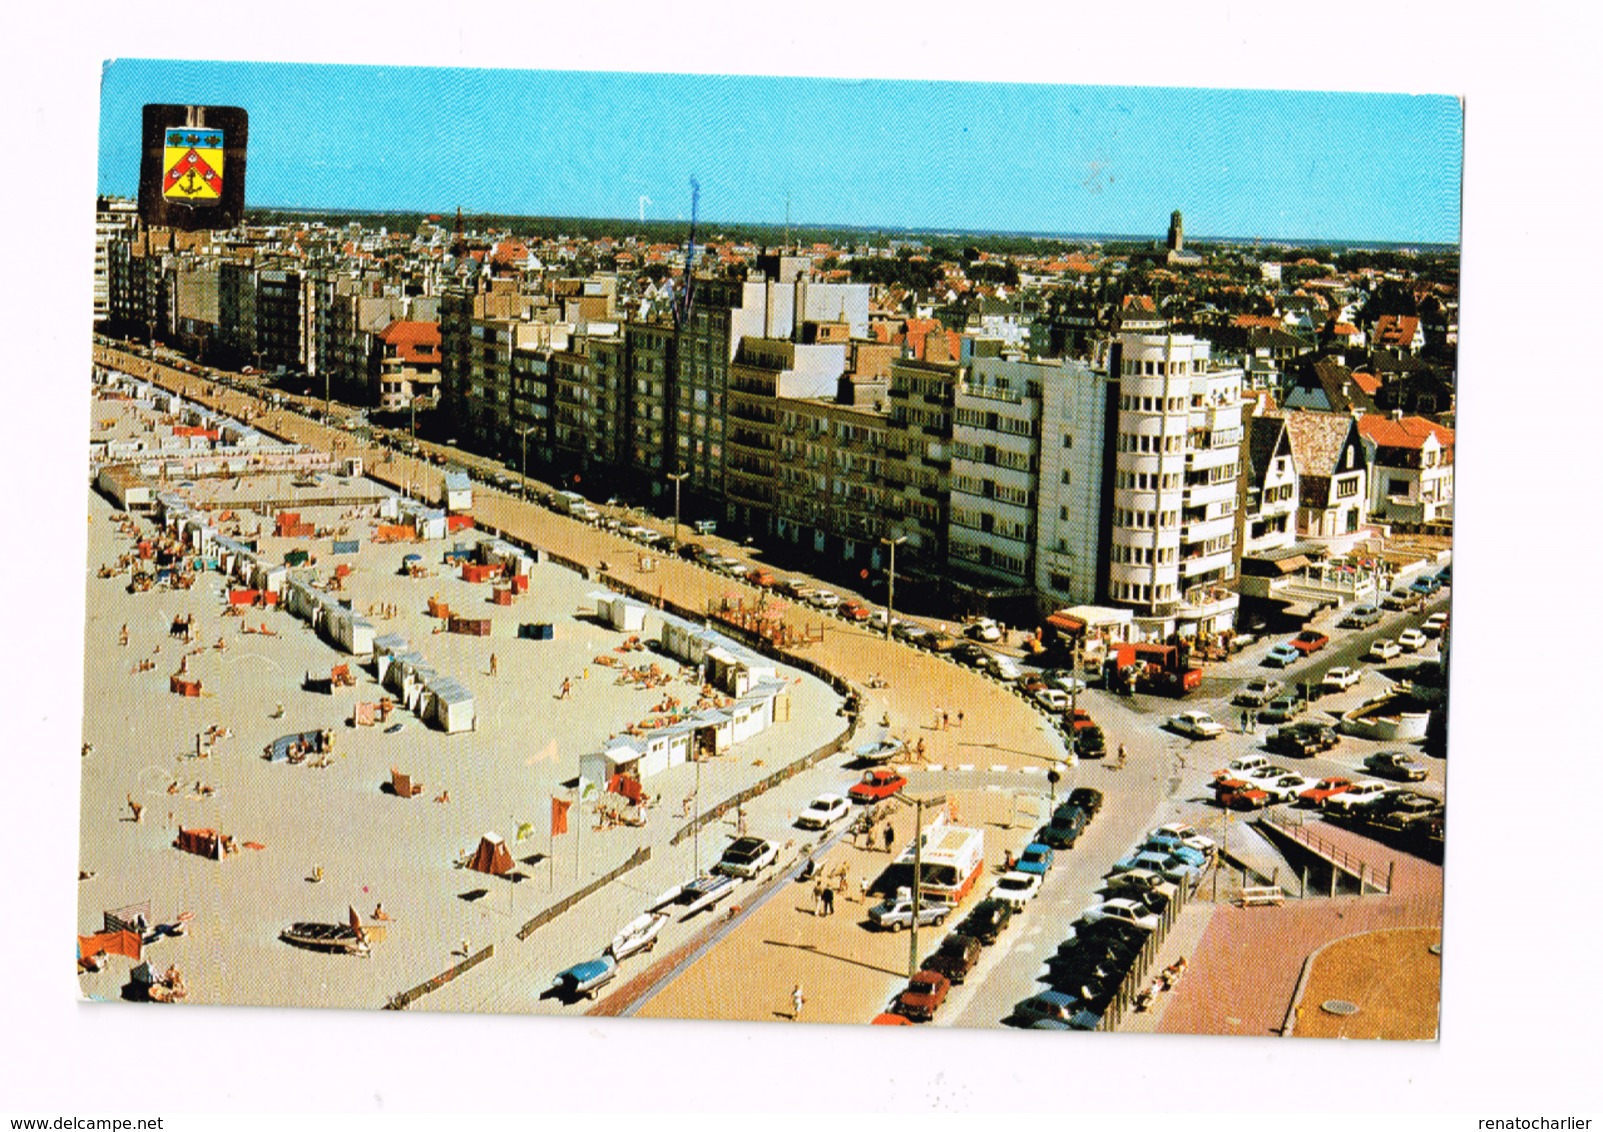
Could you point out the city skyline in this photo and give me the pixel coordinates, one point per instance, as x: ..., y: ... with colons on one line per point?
x: 1275, y: 166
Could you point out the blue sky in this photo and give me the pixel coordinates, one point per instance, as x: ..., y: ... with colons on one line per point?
x: 930, y: 155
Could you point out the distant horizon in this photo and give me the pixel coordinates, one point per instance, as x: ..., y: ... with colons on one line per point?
x: 982, y: 157
x: 1345, y: 243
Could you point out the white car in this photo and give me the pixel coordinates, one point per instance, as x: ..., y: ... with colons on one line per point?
x: 1384, y: 649
x: 1064, y: 681
x: 1242, y: 767
x: 823, y: 599
x: 1412, y: 640
x: 1360, y: 793
x: 746, y: 857
x: 1284, y: 787
x: 1196, y: 724
x: 1434, y: 624
x: 823, y: 812
x: 984, y: 629
x: 1053, y: 699
x: 1017, y: 888
x: 1121, y: 908
x: 1342, y: 678
x: 1188, y: 836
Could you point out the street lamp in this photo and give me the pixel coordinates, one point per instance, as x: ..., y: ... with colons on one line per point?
x: 890, y: 588
x: 918, y: 805
x: 678, y: 478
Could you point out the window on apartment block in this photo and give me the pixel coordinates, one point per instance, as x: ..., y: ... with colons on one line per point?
x: 1348, y: 487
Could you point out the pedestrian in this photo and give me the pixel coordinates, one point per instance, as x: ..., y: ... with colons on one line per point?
x: 960, y: 717
x: 1243, y: 721
x: 946, y: 720
x: 890, y: 837
x: 567, y: 688
x: 818, y: 895
x: 829, y: 901
x: 796, y: 1002
x: 862, y: 889
x: 1123, y: 755
x: 493, y: 665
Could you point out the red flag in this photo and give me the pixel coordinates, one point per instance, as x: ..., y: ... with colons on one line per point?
x: 559, y: 816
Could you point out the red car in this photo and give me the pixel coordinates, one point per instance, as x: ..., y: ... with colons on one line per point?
x: 853, y: 611
x: 1243, y: 798
x: 924, y: 994
x: 1309, y: 640
x: 877, y: 784
x: 1326, y: 787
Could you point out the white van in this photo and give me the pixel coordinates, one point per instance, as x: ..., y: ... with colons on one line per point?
x: 573, y: 504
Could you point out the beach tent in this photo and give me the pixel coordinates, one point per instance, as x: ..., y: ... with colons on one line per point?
x: 491, y: 856
x: 403, y: 785
x: 110, y: 943
x: 203, y: 843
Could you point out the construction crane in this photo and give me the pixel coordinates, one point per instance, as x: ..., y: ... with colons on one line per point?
x: 687, y: 295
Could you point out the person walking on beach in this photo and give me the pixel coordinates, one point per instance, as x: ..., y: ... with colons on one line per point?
x: 829, y: 901
x: 493, y: 665
x: 1123, y: 755
x: 796, y: 1002
x: 567, y: 688
x: 890, y: 837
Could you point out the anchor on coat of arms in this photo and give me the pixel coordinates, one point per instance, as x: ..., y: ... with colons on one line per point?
x: 192, y: 166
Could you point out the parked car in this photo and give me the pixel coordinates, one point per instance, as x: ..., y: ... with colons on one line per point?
x: 1063, y: 680
x: 1168, y: 866
x: 1002, y: 667
x: 1284, y: 787
x: 746, y: 857
x: 1384, y: 649
x: 897, y: 913
x: 1281, y: 655
x: 1036, y: 858
x: 1186, y: 835
x: 1434, y: 624
x: 1302, y: 739
x: 1323, y: 789
x: 1340, y: 678
x: 956, y: 956
x: 1412, y: 640
x: 1017, y: 888
x: 1053, y: 1010
x: 911, y: 632
x: 1136, y: 881
x: 984, y: 629
x: 823, y: 812
x: 1444, y: 576
x: 1196, y: 725
x: 876, y: 785
x: 1283, y: 709
x: 1089, y: 742
x: 1087, y: 798
x: 1053, y: 699
x: 1360, y: 793
x: 823, y: 599
x: 1067, y: 823
x: 1242, y: 766
x: 854, y: 610
x: 1399, y: 598
x: 1258, y: 692
x: 923, y: 996
x: 1193, y: 857
x: 987, y: 920
x: 1251, y: 778
x: 1425, y: 585
x: 1401, y: 809
x: 967, y: 652
x: 762, y: 578
x: 1121, y: 908
x: 1360, y: 617
x: 1243, y: 797
x: 1395, y: 764
x: 1309, y: 641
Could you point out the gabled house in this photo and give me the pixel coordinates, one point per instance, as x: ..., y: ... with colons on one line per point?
x: 1271, y: 510
x: 1327, y: 386
x: 1399, y: 333
x: 1410, y: 468
x: 1332, y: 475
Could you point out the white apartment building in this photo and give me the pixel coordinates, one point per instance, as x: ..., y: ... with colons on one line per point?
x: 1178, y: 450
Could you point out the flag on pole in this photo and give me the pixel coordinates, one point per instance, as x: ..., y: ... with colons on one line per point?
x: 559, y: 816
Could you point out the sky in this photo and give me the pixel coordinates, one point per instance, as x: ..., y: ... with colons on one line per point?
x: 1292, y: 165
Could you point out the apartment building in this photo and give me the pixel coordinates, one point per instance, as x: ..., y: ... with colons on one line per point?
x: 1270, y: 520
x: 995, y: 467
x: 1177, y: 458
x: 918, y: 454
x: 114, y: 217
x: 1074, y: 492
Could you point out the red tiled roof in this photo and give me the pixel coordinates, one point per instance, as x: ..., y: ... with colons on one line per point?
x: 413, y: 341
x: 1396, y: 330
x: 1410, y: 432
x: 1263, y: 321
x: 1368, y: 382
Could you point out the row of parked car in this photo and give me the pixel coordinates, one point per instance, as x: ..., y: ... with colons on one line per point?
x: 1088, y: 968
x: 960, y: 951
x: 1252, y: 782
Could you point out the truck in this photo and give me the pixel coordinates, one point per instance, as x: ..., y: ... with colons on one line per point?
x: 952, y: 857
x: 575, y: 506
x: 1163, y: 669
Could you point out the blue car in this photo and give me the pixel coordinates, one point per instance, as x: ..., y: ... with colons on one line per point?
x: 1173, y: 869
x: 1425, y: 585
x: 1036, y: 858
x: 1161, y: 844
x: 1054, y: 1010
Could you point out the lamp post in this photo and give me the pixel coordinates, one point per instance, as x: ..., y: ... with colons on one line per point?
x: 678, y: 478
x: 890, y: 587
x: 918, y: 805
